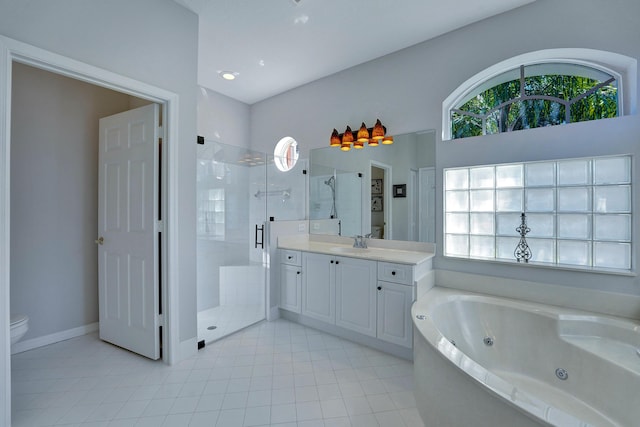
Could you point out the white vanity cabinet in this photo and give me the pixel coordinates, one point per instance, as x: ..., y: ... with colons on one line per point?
x: 395, y: 296
x: 290, y: 280
x: 340, y: 290
x: 347, y: 292
x: 361, y: 295
x: 319, y: 287
x: 356, y: 295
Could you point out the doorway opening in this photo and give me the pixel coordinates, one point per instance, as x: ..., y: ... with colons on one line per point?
x: 54, y: 202
x: 380, y: 217
x: 12, y: 51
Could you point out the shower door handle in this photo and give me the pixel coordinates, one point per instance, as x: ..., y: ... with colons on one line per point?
x: 261, y: 242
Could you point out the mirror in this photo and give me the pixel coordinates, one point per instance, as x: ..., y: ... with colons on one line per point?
x: 387, y: 191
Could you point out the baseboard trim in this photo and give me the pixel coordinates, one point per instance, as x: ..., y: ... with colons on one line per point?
x: 186, y: 349
x: 32, y: 343
x: 274, y: 314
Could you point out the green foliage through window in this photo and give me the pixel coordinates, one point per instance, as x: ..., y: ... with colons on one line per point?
x: 536, y: 101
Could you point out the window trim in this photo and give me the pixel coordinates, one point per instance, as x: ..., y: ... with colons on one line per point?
x: 622, y: 67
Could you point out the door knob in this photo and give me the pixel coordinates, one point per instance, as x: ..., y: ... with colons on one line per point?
x: 100, y: 240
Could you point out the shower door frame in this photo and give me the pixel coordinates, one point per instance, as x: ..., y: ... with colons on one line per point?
x: 251, y: 254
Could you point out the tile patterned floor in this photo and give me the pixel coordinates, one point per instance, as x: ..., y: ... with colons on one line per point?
x: 270, y: 374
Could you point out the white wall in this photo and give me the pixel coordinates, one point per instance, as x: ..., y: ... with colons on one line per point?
x: 54, y: 204
x: 223, y: 119
x: 430, y: 71
x: 152, y: 41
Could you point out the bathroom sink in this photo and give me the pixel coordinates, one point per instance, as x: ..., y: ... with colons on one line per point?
x: 349, y: 250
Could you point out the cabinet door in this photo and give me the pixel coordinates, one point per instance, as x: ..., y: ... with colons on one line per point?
x: 356, y: 295
x: 394, y: 313
x: 318, y: 287
x: 290, y: 287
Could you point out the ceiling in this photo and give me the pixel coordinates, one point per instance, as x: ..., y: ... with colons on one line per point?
x: 277, y: 45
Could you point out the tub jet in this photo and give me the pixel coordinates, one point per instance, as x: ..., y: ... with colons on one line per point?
x: 562, y: 374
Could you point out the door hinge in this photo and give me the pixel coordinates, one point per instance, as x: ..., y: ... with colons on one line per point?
x: 160, y: 132
x: 160, y: 226
x: 160, y: 318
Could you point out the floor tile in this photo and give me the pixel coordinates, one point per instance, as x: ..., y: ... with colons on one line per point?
x: 257, y: 416
x: 204, y: 419
x: 277, y: 374
x: 283, y: 413
x: 333, y: 408
x: 308, y: 411
x: 357, y: 405
x: 231, y: 418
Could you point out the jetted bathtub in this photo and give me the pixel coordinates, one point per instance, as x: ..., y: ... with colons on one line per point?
x: 487, y: 361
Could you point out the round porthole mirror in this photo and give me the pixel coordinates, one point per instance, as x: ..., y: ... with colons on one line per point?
x: 286, y: 154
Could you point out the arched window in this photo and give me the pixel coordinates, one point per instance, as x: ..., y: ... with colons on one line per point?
x: 536, y: 90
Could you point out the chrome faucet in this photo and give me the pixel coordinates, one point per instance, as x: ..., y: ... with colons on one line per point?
x: 360, y: 241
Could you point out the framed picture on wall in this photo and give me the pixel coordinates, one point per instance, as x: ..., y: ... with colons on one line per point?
x: 400, y: 190
x: 376, y: 186
x: 376, y: 203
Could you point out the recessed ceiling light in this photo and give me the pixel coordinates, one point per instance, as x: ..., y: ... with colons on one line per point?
x: 228, y: 75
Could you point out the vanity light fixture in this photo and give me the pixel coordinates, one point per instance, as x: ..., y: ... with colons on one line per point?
x: 335, y: 139
x: 347, y: 139
x: 373, y: 136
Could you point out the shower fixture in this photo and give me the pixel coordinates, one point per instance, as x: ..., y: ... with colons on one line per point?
x: 331, y: 182
x: 285, y: 194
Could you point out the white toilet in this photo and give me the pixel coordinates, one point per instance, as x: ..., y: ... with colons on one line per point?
x: 376, y: 232
x: 19, y: 327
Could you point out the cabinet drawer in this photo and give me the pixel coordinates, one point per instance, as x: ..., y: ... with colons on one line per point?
x: 290, y: 257
x: 396, y: 273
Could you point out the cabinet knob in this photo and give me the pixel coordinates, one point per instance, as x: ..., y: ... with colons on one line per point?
x: 337, y: 262
x: 379, y: 288
x: 289, y: 257
x: 393, y: 273
x: 298, y: 272
x: 331, y: 261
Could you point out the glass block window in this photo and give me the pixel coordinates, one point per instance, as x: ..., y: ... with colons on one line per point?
x: 211, y: 213
x: 579, y: 211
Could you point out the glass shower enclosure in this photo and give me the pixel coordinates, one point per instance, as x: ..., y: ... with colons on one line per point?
x: 231, y: 261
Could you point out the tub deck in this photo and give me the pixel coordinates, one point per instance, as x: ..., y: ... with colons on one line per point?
x: 528, y: 343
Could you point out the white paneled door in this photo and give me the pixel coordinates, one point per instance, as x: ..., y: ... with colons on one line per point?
x: 128, y: 279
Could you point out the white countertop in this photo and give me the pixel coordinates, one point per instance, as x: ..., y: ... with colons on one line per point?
x: 412, y: 253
